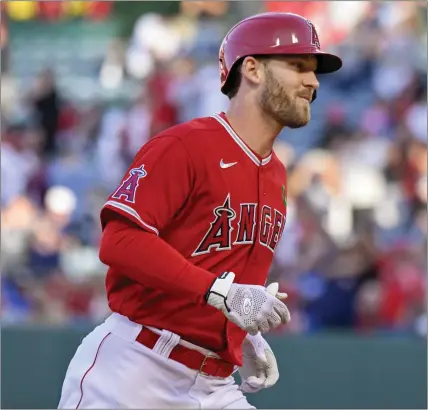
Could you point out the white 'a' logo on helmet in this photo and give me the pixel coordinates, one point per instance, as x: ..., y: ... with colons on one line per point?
x: 314, y: 35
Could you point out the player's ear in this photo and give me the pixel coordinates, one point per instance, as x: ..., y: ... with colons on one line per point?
x: 252, y: 70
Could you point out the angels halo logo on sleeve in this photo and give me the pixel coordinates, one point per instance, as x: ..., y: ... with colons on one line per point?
x: 129, y: 186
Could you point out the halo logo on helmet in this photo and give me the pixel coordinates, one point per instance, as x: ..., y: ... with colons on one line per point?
x: 314, y: 36
x: 272, y: 34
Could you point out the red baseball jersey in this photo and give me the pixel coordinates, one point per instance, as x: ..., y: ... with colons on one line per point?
x: 201, y: 189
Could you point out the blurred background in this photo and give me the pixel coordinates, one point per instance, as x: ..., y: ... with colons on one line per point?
x: 84, y: 84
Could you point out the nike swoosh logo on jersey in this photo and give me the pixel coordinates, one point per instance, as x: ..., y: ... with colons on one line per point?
x: 225, y: 165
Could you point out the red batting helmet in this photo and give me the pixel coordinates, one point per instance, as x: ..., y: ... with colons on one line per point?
x: 268, y: 34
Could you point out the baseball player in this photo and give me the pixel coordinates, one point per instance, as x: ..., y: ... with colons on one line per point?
x: 189, y: 235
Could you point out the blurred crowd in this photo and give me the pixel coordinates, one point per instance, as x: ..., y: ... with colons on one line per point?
x: 353, y: 253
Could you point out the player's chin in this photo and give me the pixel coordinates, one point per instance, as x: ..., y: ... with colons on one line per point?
x: 296, y: 124
x: 300, y: 120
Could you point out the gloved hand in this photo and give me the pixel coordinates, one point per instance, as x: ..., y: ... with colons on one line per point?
x: 253, y: 308
x: 259, y: 369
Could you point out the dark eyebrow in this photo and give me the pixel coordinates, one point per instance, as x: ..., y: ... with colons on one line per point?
x: 305, y: 59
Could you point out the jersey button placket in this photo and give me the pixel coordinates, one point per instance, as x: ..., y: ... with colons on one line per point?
x: 261, y: 180
x: 261, y: 194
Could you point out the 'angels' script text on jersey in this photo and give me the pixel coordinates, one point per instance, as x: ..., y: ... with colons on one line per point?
x: 220, y: 234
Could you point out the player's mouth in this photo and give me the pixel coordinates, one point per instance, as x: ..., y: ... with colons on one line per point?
x: 307, y: 97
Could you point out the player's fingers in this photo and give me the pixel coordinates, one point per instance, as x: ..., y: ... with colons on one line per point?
x: 264, y: 326
x: 281, y: 295
x: 271, y: 379
x: 282, y: 311
x: 273, y: 288
x: 274, y: 320
x: 256, y: 382
x: 272, y: 373
x: 247, y: 388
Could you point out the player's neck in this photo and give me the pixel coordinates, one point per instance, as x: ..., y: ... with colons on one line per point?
x: 253, y: 128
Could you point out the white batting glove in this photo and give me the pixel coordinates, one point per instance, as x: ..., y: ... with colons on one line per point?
x: 259, y: 369
x: 253, y: 308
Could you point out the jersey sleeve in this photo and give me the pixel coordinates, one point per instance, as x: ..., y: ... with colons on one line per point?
x: 155, y: 187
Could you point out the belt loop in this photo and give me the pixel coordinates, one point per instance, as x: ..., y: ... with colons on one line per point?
x: 166, y: 342
x: 121, y: 326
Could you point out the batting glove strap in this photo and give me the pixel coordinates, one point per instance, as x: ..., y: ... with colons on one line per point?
x: 217, y: 294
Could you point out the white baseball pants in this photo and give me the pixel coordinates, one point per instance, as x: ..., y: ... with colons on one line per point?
x: 111, y: 370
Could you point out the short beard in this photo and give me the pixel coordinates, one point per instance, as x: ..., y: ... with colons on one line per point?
x: 280, y: 106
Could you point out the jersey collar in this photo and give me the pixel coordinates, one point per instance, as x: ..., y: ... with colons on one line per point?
x: 221, y: 118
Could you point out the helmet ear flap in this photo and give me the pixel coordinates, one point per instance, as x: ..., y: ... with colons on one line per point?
x: 314, y: 96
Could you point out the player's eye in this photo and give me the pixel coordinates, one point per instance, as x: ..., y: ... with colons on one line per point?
x: 298, y: 65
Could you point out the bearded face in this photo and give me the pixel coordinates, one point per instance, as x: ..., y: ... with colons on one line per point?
x: 283, y: 103
x: 287, y: 90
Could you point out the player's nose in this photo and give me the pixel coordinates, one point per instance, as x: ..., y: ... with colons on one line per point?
x: 310, y: 81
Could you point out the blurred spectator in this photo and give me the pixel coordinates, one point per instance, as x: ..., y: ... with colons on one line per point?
x: 46, y: 103
x: 113, y: 67
x: 137, y: 130
x: 19, y: 160
x: 163, y: 112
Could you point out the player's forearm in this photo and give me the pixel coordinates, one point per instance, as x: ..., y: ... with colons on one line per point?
x: 151, y: 261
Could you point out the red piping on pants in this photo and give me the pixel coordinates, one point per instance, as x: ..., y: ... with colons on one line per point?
x: 90, y: 368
